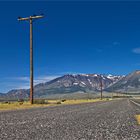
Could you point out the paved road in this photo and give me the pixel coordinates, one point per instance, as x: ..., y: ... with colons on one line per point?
x: 113, y: 120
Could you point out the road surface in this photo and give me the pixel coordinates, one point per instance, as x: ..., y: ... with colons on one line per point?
x: 112, y: 120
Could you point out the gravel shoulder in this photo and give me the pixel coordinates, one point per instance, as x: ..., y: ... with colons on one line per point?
x: 113, y: 120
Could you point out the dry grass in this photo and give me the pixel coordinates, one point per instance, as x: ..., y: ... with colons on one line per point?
x: 83, y: 101
x: 16, y: 106
x: 138, y: 118
x: 27, y: 105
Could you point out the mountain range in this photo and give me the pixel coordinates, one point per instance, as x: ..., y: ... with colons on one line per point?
x: 70, y: 83
x: 128, y: 84
x: 81, y: 83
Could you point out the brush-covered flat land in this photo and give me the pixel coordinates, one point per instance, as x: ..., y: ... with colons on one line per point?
x: 14, y: 105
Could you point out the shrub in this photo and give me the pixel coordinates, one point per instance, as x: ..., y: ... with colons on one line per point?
x: 58, y: 102
x: 40, y: 101
x: 21, y: 101
x: 6, y: 102
x: 46, y: 102
x: 63, y: 100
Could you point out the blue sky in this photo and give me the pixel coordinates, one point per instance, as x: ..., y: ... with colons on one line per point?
x: 74, y: 37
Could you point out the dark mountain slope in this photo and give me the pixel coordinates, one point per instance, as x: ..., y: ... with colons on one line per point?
x: 128, y: 84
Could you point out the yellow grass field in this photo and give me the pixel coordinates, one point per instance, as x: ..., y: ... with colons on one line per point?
x: 16, y: 106
x: 27, y: 105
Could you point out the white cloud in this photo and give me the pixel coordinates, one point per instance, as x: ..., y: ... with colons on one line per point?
x: 136, y: 50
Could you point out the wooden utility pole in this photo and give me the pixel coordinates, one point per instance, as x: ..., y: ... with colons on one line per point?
x: 112, y: 90
x: 101, y: 85
x: 30, y: 19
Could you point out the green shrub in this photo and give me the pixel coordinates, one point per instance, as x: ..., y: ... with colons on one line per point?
x: 6, y: 102
x: 63, y: 100
x: 58, y: 102
x: 40, y: 101
x: 20, y: 101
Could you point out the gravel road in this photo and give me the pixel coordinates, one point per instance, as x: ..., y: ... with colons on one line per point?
x: 112, y: 120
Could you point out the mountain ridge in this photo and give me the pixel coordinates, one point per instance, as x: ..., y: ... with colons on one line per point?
x: 81, y: 83
x: 128, y: 84
x: 70, y: 83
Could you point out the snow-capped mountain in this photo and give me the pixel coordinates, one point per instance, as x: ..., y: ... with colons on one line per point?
x: 69, y: 83
x: 115, y: 78
x: 128, y: 84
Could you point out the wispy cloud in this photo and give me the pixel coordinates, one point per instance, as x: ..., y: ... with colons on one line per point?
x: 68, y: 72
x: 21, y: 78
x: 136, y: 50
x: 116, y: 43
x: 111, y: 45
x: 24, y: 82
x: 42, y: 79
x: 38, y: 78
x: 99, y: 50
x: 9, y: 85
x: 137, y: 64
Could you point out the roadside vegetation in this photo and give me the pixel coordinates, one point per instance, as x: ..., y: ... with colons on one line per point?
x: 16, y: 105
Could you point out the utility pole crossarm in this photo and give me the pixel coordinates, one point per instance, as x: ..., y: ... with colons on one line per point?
x: 20, y: 19
x: 29, y: 18
x: 35, y: 17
